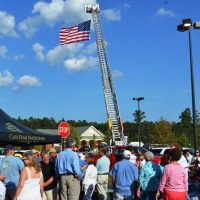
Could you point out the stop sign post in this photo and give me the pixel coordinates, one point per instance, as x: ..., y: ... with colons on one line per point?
x: 63, y: 131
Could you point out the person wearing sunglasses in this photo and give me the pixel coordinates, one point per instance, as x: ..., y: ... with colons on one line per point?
x: 196, y: 163
x: 196, y: 156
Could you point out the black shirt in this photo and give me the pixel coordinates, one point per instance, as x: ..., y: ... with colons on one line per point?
x: 48, y: 171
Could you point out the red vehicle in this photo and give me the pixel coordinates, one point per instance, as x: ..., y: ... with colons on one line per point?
x: 116, y: 153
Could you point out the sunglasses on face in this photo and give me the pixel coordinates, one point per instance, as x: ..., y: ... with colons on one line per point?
x: 197, y: 152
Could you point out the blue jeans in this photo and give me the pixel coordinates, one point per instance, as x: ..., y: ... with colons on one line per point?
x: 88, y: 192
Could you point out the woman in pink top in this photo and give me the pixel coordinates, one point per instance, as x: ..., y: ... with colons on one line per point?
x: 173, y: 184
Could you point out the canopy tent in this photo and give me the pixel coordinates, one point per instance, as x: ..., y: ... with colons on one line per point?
x: 13, y: 132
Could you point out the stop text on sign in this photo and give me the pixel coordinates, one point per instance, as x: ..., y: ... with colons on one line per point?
x: 63, y: 129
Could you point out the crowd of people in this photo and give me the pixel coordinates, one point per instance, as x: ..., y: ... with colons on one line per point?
x: 49, y: 175
x: 70, y: 175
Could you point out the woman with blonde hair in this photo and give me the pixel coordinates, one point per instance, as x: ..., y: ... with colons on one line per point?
x: 30, y: 185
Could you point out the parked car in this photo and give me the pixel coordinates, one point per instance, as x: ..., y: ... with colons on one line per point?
x: 165, y: 150
x: 160, y: 150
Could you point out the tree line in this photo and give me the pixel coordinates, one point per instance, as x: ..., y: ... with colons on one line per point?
x: 158, y: 132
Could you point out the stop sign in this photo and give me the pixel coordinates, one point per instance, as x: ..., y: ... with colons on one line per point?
x: 63, y: 129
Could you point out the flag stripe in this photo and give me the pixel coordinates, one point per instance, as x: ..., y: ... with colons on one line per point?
x: 73, y: 36
x: 63, y: 37
x: 74, y: 39
x: 75, y: 33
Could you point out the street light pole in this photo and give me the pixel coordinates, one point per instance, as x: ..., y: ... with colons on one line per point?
x: 187, y: 26
x: 138, y: 99
x: 193, y: 92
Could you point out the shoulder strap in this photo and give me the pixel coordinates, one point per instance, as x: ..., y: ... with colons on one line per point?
x: 40, y: 174
x: 28, y: 171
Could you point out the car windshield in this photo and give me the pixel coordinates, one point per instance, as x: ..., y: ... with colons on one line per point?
x: 119, y: 151
x: 166, y: 151
x: 156, y: 151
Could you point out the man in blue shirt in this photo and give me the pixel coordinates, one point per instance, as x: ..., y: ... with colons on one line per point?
x: 68, y: 167
x: 124, y: 175
x: 10, y: 167
x: 102, y: 165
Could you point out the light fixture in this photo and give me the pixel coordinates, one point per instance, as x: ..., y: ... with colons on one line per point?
x: 187, y: 23
x: 196, y: 25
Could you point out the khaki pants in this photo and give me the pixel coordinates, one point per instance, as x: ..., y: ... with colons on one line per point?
x: 70, y: 187
x: 101, y: 186
x: 50, y: 194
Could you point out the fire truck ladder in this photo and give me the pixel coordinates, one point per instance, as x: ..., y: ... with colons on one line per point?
x: 108, y: 87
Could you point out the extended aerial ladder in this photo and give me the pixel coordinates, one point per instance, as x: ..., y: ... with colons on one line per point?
x: 108, y: 88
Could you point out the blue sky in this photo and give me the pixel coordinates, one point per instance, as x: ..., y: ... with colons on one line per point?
x: 147, y: 57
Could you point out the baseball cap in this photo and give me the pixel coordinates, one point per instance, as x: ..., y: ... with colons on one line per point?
x: 52, y: 150
x: 126, y: 154
x: 9, y: 147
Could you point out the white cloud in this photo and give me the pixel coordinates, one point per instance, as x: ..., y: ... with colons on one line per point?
x: 59, y: 53
x: 116, y: 74
x: 80, y: 64
x: 18, y: 57
x: 7, y: 24
x: 6, y: 78
x: 3, y: 51
x: 69, y: 12
x: 38, y: 49
x: 112, y: 14
x: 28, y: 81
x: 49, y: 12
x: 29, y: 26
x: 90, y: 49
x: 165, y: 12
x: 75, y: 57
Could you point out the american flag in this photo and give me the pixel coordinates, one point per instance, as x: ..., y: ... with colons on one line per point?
x: 77, y: 33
